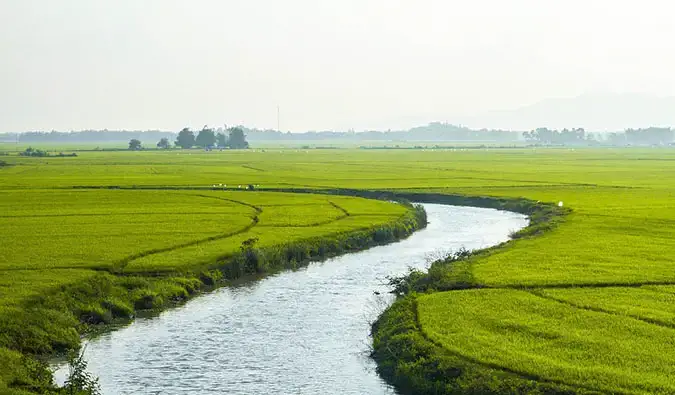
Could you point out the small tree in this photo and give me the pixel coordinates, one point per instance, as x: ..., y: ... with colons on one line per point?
x: 186, y: 139
x: 164, y: 143
x: 80, y: 381
x: 237, y: 139
x: 135, y: 144
x: 221, y: 140
x: 206, y: 138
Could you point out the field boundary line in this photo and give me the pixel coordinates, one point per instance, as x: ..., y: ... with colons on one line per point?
x: 601, y: 310
x: 256, y: 208
x: 253, y: 168
x: 346, y: 213
x: 523, y: 375
x: 579, y: 285
x: 330, y: 221
x: 119, y: 266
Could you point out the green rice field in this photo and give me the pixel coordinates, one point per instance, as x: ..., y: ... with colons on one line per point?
x: 584, y: 308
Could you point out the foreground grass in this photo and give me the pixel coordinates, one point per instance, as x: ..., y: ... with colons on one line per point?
x: 552, y: 341
x: 556, y: 311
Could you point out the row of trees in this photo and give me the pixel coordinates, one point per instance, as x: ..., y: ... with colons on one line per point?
x: 434, y: 131
x: 206, y: 138
x: 565, y: 136
x: 85, y: 136
x: 647, y: 136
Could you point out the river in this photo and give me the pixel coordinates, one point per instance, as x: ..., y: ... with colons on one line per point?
x: 295, y: 332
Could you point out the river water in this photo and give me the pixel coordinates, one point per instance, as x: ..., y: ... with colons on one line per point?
x: 295, y: 332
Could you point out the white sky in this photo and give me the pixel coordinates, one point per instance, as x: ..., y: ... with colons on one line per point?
x: 141, y: 64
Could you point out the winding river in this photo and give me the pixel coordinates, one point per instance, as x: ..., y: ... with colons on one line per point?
x: 295, y: 332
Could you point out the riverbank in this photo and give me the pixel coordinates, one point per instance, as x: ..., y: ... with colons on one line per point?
x: 54, y: 322
x: 411, y: 361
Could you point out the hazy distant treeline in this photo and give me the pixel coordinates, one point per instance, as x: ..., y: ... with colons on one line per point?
x: 578, y: 136
x: 649, y: 136
x: 440, y: 132
x: 433, y: 132
x: 87, y: 136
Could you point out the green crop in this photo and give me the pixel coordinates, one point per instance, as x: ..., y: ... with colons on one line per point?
x: 585, y: 306
x: 552, y: 341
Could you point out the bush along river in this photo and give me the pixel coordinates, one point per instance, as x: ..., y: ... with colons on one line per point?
x: 295, y: 332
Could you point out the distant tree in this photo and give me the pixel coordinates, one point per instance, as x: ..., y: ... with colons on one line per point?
x: 186, y: 139
x: 135, y: 144
x: 206, y: 138
x: 30, y: 151
x: 544, y: 135
x: 649, y: 136
x: 580, y: 134
x: 164, y: 143
x: 237, y: 139
x: 221, y: 140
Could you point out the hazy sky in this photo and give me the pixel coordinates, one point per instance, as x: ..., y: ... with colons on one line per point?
x: 140, y: 64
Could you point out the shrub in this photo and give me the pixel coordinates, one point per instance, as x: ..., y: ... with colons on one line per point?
x: 30, y: 151
x: 79, y: 381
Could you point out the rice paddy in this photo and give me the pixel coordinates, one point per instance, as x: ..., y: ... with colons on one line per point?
x: 584, y: 307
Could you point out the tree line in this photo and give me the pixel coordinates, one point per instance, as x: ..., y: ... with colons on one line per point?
x: 433, y: 132
x: 649, y: 136
x: 207, y: 138
x: 578, y: 136
x: 565, y: 136
x: 85, y: 136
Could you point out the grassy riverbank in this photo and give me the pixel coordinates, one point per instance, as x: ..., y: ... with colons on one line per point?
x: 580, y: 304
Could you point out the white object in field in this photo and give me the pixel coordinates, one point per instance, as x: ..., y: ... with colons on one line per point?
x: 560, y: 204
x: 239, y: 186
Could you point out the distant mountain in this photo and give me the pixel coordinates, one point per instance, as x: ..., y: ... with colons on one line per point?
x: 594, y: 112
